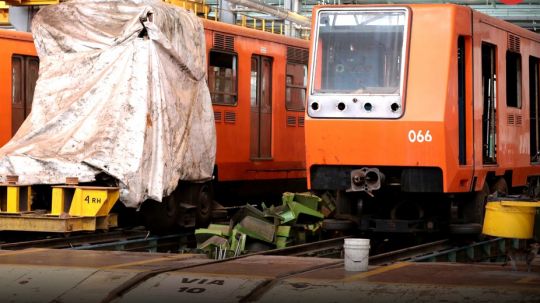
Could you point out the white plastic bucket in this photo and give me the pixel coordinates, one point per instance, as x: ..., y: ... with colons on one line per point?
x: 356, y: 254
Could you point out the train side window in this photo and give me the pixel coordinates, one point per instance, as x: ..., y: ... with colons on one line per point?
x: 222, y: 78
x: 24, y: 74
x: 295, y: 86
x: 534, y: 93
x: 31, y: 76
x: 462, y: 140
x: 513, y: 79
x: 489, y: 95
x: 16, y: 79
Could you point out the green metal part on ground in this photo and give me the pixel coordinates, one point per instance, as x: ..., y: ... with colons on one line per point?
x: 299, y: 214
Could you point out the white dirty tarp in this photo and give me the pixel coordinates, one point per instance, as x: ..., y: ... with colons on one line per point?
x: 121, y: 91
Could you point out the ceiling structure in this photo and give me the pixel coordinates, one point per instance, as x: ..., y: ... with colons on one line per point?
x: 525, y: 14
x: 292, y: 17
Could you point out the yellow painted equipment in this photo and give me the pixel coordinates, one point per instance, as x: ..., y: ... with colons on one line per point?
x: 55, y: 224
x: 73, y: 208
x: 31, y: 2
x: 510, y: 219
x: 4, y: 13
x: 83, y: 201
x: 15, y: 198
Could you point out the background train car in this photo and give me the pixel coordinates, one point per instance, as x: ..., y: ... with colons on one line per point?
x: 257, y: 81
x: 417, y: 112
x: 19, y: 66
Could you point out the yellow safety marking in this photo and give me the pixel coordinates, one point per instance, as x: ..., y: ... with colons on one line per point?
x: 13, y: 194
x: 179, y: 257
x: 21, y: 252
x: 376, y: 271
x: 528, y: 280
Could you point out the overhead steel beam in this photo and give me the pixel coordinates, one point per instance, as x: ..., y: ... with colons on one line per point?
x: 31, y: 2
x: 276, y: 11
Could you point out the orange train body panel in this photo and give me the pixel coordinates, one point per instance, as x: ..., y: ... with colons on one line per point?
x: 287, y: 142
x: 430, y: 104
x: 12, y: 43
x: 233, y: 161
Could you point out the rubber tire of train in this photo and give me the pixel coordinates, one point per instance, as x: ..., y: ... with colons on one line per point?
x: 160, y: 217
x: 204, y: 197
x: 473, y: 213
x: 501, y: 187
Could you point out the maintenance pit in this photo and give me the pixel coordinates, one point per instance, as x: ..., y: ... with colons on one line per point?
x: 46, y: 275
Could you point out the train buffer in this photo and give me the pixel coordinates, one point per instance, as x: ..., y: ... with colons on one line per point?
x: 73, y: 208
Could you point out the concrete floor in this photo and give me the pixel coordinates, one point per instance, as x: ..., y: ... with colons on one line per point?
x: 43, y: 275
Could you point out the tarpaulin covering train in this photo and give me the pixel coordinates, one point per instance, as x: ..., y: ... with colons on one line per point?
x: 121, y: 91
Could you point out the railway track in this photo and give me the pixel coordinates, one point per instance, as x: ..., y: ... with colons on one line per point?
x: 139, y: 240
x: 121, y: 239
x: 297, y: 250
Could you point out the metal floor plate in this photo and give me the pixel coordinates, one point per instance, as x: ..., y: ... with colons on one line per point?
x: 44, y: 275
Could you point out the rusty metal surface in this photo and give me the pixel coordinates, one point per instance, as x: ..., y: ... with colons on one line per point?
x: 43, y: 275
x: 259, y: 266
x: 93, y: 259
x: 460, y: 274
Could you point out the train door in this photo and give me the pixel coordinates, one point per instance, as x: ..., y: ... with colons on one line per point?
x: 489, y: 96
x: 534, y: 91
x: 24, y: 73
x: 261, y: 107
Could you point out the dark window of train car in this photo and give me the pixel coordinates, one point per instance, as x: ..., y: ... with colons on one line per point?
x: 534, y: 93
x: 513, y: 79
x: 295, y: 86
x: 222, y: 78
x: 24, y: 73
x: 489, y: 88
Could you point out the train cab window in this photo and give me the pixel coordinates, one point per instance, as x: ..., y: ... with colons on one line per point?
x: 222, y: 78
x: 24, y: 74
x: 295, y: 86
x: 513, y: 79
x: 359, y: 53
x: 534, y: 93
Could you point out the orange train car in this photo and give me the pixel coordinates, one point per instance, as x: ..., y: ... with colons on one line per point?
x: 258, y: 85
x: 416, y: 113
x: 19, y: 66
x: 257, y: 82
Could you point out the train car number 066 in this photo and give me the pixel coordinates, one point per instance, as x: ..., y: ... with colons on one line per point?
x: 419, y: 136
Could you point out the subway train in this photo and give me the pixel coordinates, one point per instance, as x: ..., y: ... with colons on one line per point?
x: 417, y: 113
x: 257, y: 81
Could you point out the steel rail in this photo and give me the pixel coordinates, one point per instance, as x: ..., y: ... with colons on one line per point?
x: 412, y: 252
x: 71, y: 241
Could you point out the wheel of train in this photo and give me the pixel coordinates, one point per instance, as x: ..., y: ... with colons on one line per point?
x: 188, y: 206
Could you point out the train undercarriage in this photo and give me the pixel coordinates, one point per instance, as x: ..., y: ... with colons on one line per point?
x: 408, y: 200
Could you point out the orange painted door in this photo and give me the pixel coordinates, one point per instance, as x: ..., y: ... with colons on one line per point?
x: 261, y: 108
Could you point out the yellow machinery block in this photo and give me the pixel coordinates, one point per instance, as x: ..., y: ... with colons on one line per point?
x: 83, y: 201
x: 15, y: 198
x: 46, y: 223
x: 57, y: 207
x: 31, y: 2
x: 4, y: 13
x: 510, y: 219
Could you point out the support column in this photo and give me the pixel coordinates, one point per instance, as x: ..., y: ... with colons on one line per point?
x: 225, y: 12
